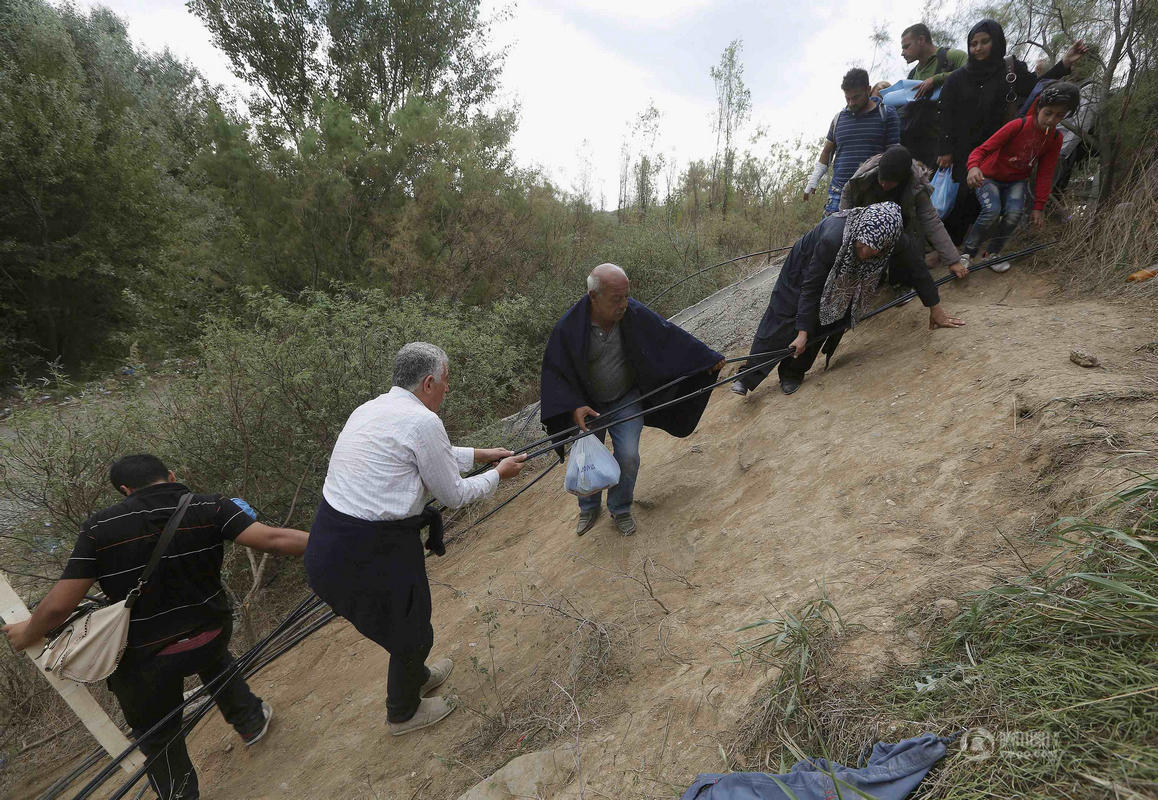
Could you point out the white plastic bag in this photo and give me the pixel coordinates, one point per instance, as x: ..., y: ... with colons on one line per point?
x: 590, y: 468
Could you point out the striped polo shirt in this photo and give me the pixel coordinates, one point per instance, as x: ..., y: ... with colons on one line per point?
x: 859, y: 137
x: 185, y: 594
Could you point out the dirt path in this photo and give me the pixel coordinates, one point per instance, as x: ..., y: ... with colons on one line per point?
x: 885, y: 481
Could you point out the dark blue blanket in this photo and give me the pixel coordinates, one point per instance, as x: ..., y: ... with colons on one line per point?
x: 658, y: 351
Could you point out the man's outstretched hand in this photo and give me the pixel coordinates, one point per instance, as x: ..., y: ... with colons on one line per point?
x: 490, y: 455
x: 510, y: 467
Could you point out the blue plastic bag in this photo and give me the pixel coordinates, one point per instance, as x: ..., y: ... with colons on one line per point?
x: 944, y: 191
x: 590, y: 468
x: 904, y: 91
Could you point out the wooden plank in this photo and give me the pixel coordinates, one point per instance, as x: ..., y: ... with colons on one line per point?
x: 107, y: 734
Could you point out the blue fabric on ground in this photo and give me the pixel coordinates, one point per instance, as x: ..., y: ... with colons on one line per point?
x: 892, y: 773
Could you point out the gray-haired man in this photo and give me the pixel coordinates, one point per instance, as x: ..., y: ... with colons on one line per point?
x: 365, y: 555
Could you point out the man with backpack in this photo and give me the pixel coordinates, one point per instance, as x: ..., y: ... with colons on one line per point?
x: 862, y: 129
x: 919, y: 118
x: 181, y: 623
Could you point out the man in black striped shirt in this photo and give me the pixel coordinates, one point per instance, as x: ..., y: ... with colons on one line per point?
x: 182, y: 621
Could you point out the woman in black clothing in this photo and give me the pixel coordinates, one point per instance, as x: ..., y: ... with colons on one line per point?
x: 979, y: 98
x: 826, y: 285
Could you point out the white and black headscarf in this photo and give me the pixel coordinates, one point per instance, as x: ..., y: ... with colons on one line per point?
x: 852, y: 282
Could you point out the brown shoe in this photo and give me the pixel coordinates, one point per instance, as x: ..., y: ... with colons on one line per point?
x: 430, y: 711
x: 439, y: 671
x: 587, y: 521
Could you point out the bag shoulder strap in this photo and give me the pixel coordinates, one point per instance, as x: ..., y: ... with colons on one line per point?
x: 942, y: 59
x: 159, y: 550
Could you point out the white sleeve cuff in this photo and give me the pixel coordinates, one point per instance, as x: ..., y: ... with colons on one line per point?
x: 463, y: 457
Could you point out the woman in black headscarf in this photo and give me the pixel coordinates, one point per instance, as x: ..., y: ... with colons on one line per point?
x: 979, y: 98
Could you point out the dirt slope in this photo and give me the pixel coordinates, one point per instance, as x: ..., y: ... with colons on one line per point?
x: 886, y: 480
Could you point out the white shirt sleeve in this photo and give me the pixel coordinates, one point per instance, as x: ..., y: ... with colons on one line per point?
x: 438, y: 466
x: 464, y: 456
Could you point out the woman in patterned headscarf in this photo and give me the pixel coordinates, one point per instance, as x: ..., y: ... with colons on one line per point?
x: 827, y: 284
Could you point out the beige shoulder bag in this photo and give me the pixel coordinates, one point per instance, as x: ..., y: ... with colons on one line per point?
x: 91, y: 644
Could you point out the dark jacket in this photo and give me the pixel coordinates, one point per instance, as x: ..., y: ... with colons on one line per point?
x: 658, y: 351
x: 796, y: 295
x: 914, y: 197
x: 972, y: 110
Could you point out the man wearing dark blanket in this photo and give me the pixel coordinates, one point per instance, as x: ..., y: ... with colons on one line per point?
x: 827, y: 284
x: 365, y: 552
x: 604, y: 354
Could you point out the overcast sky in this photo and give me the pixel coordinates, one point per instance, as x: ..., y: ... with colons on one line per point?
x: 581, y: 70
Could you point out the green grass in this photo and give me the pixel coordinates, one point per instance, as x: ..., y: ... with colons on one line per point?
x: 1059, y: 666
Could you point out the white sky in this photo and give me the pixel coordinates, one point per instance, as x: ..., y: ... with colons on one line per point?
x: 582, y: 70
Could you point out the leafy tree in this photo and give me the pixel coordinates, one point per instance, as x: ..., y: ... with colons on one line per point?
x: 733, y: 107
x: 93, y: 137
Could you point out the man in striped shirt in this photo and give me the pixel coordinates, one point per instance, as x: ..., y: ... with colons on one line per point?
x: 864, y: 128
x: 180, y: 625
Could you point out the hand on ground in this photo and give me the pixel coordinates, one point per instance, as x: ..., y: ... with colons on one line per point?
x: 939, y: 319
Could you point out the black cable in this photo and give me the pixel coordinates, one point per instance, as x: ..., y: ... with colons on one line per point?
x: 655, y: 299
x: 904, y: 298
x: 57, y: 788
x: 892, y: 304
x: 190, y: 723
x: 500, y: 506
x: 239, y: 664
x: 313, y: 603
x: 599, y: 428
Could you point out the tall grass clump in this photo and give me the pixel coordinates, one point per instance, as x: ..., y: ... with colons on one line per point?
x: 1052, y: 678
x: 1108, y: 246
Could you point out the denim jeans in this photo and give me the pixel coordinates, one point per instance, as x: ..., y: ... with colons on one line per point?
x: 1001, y: 208
x: 625, y: 448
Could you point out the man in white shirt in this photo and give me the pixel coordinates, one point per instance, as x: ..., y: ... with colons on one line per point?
x: 365, y: 554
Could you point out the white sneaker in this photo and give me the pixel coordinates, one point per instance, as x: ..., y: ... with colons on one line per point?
x: 966, y: 260
x: 1001, y: 266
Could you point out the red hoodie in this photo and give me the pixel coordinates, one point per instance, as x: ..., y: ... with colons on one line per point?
x: 1010, y: 154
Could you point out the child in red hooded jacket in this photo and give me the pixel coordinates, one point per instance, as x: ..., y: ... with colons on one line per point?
x: 1000, y: 168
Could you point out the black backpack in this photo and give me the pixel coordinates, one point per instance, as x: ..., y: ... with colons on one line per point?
x: 919, y: 117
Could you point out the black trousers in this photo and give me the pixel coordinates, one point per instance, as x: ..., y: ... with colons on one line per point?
x: 149, y: 690
x: 965, y: 211
x: 374, y: 575
x: 794, y: 367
